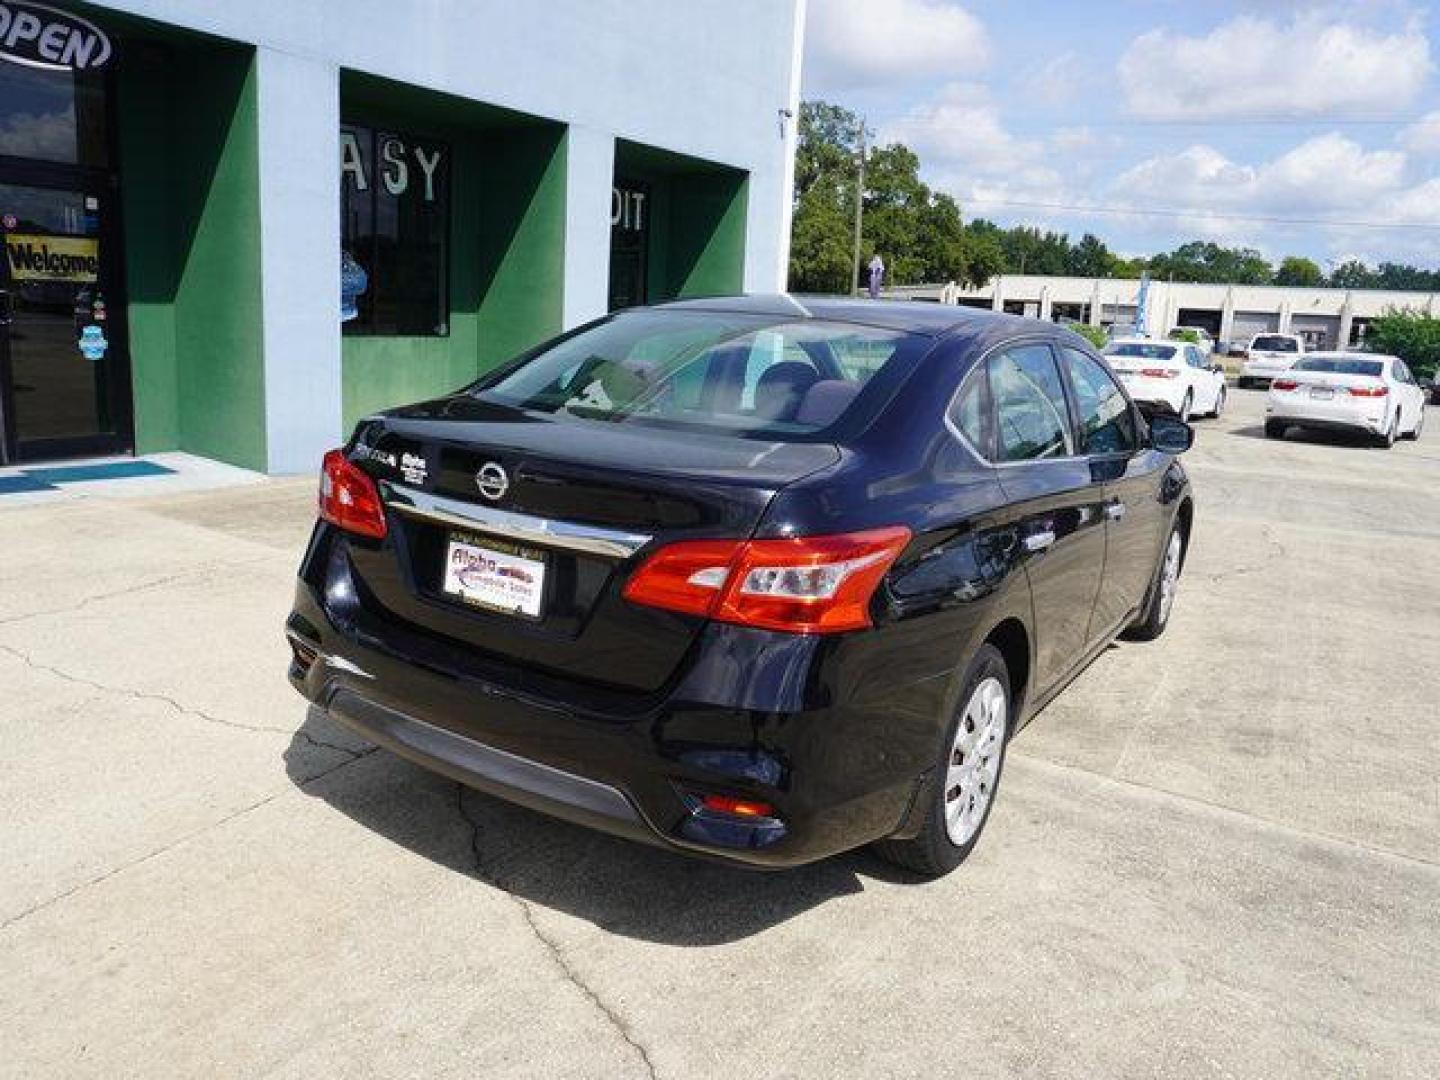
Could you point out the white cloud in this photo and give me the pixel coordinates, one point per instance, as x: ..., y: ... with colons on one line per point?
x: 1055, y: 82
x: 962, y: 124
x: 41, y: 135
x: 1422, y: 138
x: 856, y: 43
x: 1257, y: 67
x: 1325, y: 176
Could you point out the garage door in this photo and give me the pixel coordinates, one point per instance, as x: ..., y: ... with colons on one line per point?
x: 1249, y: 323
x: 1319, y: 331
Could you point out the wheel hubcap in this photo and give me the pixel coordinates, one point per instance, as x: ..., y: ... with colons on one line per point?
x: 1169, y: 576
x: 974, y: 763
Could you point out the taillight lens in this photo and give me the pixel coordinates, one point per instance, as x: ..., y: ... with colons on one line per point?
x: 1284, y: 384
x: 803, y: 585
x: 1160, y: 373
x: 1369, y: 391
x: 743, y: 808
x: 349, y: 498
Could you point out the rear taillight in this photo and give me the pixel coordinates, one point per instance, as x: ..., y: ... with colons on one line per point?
x: 1284, y: 384
x: 1160, y: 373
x: 803, y: 585
x: 349, y: 498
x: 741, y: 808
x: 1368, y: 391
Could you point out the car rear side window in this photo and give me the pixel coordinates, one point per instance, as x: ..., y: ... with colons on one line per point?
x: 1031, y: 417
x: 1107, y: 424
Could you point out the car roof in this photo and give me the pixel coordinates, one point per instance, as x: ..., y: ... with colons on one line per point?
x: 907, y: 316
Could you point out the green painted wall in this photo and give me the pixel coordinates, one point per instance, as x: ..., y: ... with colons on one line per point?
x: 190, y: 183
x: 507, y: 246
x: 697, y: 222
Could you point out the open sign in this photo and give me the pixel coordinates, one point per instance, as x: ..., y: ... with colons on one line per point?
x: 42, y: 37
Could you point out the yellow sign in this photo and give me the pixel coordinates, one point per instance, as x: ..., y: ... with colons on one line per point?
x: 53, y: 258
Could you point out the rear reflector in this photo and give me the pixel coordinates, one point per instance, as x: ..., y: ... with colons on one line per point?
x: 349, y: 498
x: 803, y: 585
x: 746, y: 808
x: 1160, y: 373
x: 1368, y: 391
x: 1284, y: 384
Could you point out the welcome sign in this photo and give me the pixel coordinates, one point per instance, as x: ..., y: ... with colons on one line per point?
x: 74, y: 259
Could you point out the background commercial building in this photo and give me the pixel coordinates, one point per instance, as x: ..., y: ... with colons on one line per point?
x: 184, y: 185
x: 1326, y: 318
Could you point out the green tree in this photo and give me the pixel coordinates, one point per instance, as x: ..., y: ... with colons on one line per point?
x: 1091, y: 258
x: 820, y: 243
x: 1410, y: 335
x: 1295, y: 270
x: 1203, y: 261
x: 1352, y: 274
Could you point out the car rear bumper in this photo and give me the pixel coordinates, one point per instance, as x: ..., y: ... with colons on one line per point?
x: 839, y: 772
x: 1341, y: 413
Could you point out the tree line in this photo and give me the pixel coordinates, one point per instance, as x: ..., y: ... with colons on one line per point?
x: 923, y: 238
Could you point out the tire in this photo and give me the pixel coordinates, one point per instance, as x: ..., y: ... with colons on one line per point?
x: 1275, y: 430
x: 950, y: 833
x: 1161, y: 601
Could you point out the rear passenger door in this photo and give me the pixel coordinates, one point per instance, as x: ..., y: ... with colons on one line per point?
x: 1109, y: 433
x: 1053, y: 501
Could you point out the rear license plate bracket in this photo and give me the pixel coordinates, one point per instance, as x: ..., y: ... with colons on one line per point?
x: 494, y: 575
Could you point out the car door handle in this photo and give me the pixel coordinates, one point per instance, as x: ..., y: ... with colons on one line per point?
x: 1039, y: 541
x: 1115, y: 510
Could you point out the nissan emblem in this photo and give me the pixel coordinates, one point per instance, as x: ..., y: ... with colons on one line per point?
x: 492, y: 481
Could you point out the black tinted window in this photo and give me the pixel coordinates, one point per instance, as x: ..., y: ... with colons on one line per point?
x: 1342, y: 367
x: 1031, y: 419
x: 1275, y: 344
x: 1107, y: 426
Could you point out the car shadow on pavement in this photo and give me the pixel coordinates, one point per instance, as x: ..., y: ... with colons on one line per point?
x: 1308, y: 435
x: 619, y: 885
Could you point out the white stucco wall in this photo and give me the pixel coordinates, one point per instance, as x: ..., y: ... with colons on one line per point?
x: 710, y: 79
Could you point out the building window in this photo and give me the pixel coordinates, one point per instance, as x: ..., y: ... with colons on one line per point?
x: 629, y: 243
x: 394, y: 226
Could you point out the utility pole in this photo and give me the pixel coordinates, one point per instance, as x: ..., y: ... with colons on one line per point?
x: 859, y: 211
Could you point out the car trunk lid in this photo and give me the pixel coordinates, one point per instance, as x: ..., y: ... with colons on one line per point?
x: 553, y: 513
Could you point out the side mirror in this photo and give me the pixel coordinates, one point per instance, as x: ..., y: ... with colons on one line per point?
x: 1170, y: 434
x: 1218, y: 369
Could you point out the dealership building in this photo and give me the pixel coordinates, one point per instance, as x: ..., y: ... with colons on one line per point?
x: 233, y: 229
x: 1233, y: 314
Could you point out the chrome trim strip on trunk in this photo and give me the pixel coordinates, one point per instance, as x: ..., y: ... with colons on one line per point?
x: 572, y: 536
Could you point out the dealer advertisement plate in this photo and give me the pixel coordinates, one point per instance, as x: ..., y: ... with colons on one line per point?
x: 494, y: 575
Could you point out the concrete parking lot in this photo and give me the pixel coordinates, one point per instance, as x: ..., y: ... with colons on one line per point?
x: 1215, y: 855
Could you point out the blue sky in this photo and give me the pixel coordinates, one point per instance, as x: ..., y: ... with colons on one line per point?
x: 1296, y: 128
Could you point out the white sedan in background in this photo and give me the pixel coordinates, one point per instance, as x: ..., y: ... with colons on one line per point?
x: 1174, y: 374
x: 1270, y: 355
x: 1339, y: 391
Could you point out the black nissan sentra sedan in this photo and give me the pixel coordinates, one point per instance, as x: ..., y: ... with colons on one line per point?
x: 758, y: 578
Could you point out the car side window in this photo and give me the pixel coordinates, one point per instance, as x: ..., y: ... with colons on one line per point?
x: 971, y: 415
x: 1031, y: 415
x: 1107, y: 423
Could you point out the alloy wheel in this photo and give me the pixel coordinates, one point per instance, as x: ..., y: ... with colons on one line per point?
x: 974, y: 762
x: 1169, y: 576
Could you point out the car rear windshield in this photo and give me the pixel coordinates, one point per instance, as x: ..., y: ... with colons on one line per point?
x: 1275, y: 344
x: 1141, y: 349
x: 724, y: 372
x: 1342, y: 367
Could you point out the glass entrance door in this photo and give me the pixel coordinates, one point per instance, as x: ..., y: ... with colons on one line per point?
x: 63, y: 379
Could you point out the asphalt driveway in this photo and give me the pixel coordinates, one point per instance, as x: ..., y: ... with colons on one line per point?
x: 1216, y: 855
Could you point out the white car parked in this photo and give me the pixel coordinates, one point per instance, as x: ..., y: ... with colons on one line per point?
x: 1348, y: 392
x: 1270, y: 355
x: 1175, y: 374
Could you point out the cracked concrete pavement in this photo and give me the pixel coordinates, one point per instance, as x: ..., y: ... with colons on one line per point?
x: 1216, y: 855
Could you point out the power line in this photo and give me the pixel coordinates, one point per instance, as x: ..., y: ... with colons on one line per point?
x: 1172, y: 213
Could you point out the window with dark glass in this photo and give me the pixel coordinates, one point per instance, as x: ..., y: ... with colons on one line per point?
x: 1107, y: 426
x: 394, y: 233
x: 1031, y: 417
x: 56, y: 116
